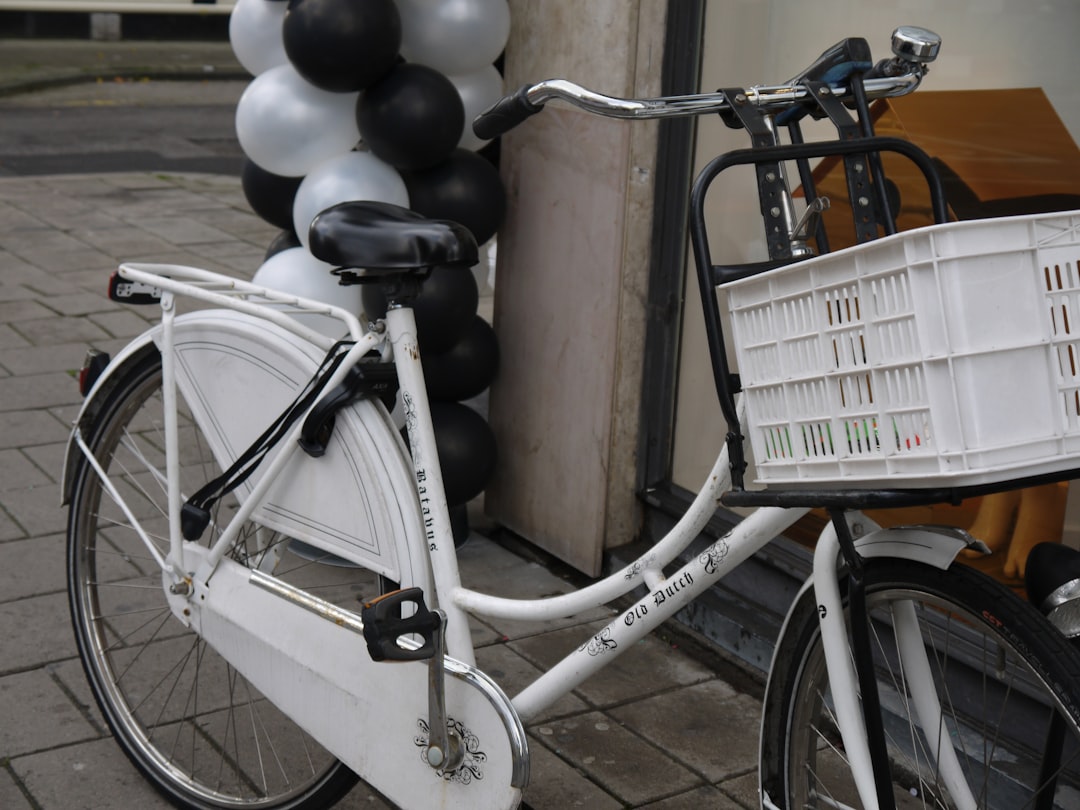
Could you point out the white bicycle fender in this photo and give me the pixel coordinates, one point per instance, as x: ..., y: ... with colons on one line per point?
x: 930, y: 545
x: 357, y: 501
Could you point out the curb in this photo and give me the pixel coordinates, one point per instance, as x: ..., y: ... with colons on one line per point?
x: 31, y: 84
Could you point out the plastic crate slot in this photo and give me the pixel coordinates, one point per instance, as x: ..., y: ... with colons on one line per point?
x: 1062, y: 279
x: 778, y: 443
x: 855, y: 391
x: 1071, y: 401
x: 796, y: 316
x: 849, y: 350
x: 1066, y: 354
x: 890, y: 295
x: 896, y: 340
x: 904, y: 386
x: 845, y: 302
x: 818, y: 440
x: 758, y: 324
x: 765, y: 358
x: 909, y: 437
x: 862, y: 436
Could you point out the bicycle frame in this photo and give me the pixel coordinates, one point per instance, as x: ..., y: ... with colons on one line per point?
x: 664, y: 594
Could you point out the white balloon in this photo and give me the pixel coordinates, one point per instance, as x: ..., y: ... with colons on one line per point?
x: 478, y: 90
x: 255, y: 34
x: 287, y: 126
x: 454, y: 36
x: 352, y: 176
x: 297, y: 272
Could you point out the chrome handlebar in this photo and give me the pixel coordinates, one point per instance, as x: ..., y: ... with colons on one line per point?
x: 914, y: 49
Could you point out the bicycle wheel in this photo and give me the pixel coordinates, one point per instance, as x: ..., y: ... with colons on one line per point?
x: 1007, y: 685
x: 202, y: 735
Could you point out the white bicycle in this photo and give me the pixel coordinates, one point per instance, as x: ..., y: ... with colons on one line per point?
x: 263, y: 578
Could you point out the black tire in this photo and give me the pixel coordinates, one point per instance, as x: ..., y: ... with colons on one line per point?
x: 1006, y: 681
x: 194, y: 727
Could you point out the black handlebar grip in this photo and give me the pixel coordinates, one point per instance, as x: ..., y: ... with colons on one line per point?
x: 838, y: 62
x: 505, y: 114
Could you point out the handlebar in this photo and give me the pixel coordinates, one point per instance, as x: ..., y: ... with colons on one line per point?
x: 913, y: 47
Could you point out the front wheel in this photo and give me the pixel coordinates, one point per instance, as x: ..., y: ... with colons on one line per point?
x: 1007, y: 683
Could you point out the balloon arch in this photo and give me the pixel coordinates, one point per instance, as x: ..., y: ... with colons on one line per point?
x: 372, y: 101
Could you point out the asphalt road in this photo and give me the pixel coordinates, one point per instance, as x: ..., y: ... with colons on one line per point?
x: 122, y: 125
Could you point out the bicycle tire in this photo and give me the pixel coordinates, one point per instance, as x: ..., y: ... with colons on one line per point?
x: 1002, y: 674
x: 189, y: 722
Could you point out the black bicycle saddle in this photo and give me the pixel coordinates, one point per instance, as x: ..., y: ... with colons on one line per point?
x: 382, y: 237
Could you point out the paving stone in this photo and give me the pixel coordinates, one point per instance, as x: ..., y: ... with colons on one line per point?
x: 27, y: 428
x: 182, y: 230
x: 49, y: 459
x: 555, y: 784
x: 125, y: 323
x: 648, y: 667
x: 9, y: 338
x: 513, y: 673
x: 11, y: 312
x: 87, y: 776
x: 363, y: 797
x: 744, y: 790
x: 17, y: 471
x: 703, y: 797
x: 686, y: 724
x: 59, y: 331
x: 80, y: 303
x: 618, y: 760
x: 36, y: 631
x: 37, y: 715
x: 12, y: 291
x: 31, y: 567
x: 9, y: 529
x: 65, y: 357
x: 72, y: 680
x: 11, y: 797
x: 36, y: 509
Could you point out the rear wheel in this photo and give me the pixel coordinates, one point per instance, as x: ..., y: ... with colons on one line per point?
x: 201, y: 734
x: 1008, y: 685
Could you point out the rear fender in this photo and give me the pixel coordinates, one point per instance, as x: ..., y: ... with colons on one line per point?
x: 237, y: 373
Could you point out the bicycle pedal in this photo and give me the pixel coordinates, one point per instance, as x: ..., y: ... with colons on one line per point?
x: 384, y: 627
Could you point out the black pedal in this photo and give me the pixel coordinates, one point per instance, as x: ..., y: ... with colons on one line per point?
x: 124, y: 291
x: 383, y: 626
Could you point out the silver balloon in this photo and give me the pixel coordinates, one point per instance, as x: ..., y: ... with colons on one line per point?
x: 297, y: 272
x: 288, y: 126
x: 353, y: 176
x: 478, y: 90
x: 255, y: 34
x: 454, y: 36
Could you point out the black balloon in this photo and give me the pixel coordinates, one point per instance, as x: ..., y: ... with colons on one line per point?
x: 467, y: 368
x: 444, y: 308
x: 464, y: 188
x: 412, y: 118
x: 466, y: 448
x: 269, y: 195
x: 342, y: 45
x: 283, y: 241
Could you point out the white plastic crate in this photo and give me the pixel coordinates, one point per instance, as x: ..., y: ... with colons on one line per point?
x: 947, y: 355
